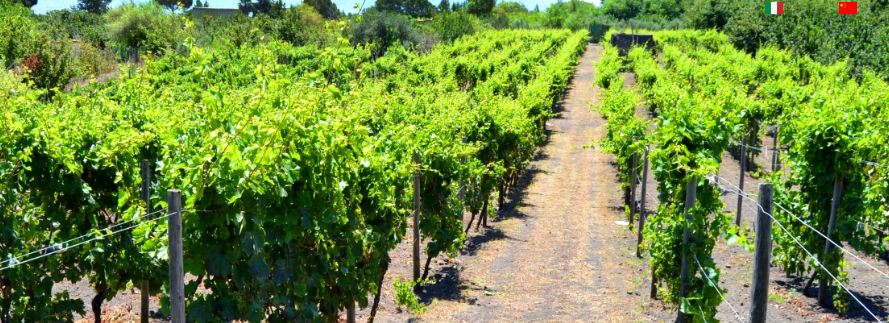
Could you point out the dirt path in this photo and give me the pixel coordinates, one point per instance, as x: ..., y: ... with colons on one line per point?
x: 557, y: 254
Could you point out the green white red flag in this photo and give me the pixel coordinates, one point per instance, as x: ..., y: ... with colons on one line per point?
x: 774, y: 8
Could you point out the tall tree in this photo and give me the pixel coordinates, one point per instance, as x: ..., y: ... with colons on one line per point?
x: 415, y: 8
x: 173, y: 5
x: 480, y: 7
x: 27, y: 3
x: 94, y: 6
x: 326, y: 8
x: 444, y: 6
x: 268, y: 7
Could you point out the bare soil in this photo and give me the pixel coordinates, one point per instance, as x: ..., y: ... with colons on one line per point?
x: 555, y: 252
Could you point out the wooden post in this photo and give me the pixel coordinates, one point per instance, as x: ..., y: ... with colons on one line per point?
x: 145, y: 171
x: 642, y: 214
x: 653, y: 292
x: 775, y: 150
x: 350, y: 312
x: 177, y: 275
x: 416, y: 217
x: 691, y: 194
x: 741, y: 181
x: 760, y: 294
x: 823, y: 279
x: 632, y: 188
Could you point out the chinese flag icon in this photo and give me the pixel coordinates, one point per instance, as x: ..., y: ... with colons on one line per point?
x: 849, y: 8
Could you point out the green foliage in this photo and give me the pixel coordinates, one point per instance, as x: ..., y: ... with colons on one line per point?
x: 382, y: 30
x: 145, y: 27
x: 623, y: 9
x: 452, y: 25
x: 509, y: 7
x: 578, y: 15
x: 414, y: 8
x: 294, y: 162
x: 404, y: 296
x: 93, y: 6
x: 608, y: 67
x: 480, y: 7
x: 272, y: 8
x: 302, y: 24
x: 813, y: 28
x: 83, y: 26
x: 174, y: 5
x: 326, y: 8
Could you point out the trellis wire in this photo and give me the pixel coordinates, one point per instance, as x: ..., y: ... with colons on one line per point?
x: 58, y: 244
x: 809, y: 253
x: 63, y: 249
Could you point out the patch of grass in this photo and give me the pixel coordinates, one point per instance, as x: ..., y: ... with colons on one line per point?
x: 404, y: 296
x: 777, y: 298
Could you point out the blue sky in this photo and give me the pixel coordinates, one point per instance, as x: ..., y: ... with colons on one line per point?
x: 345, y: 5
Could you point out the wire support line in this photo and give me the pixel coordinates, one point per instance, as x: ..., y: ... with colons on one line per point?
x: 875, y: 228
x: 745, y: 195
x: 63, y: 249
x: 831, y: 241
x: 815, y: 259
x: 59, y: 244
x: 722, y: 297
x: 716, y: 179
x: 757, y: 148
x: 796, y: 240
x: 870, y: 163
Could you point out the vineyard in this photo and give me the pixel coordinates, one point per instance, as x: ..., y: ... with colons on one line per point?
x: 295, y: 165
x: 707, y: 99
x: 440, y: 164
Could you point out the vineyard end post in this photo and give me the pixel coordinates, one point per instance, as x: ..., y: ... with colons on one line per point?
x: 691, y: 194
x: 775, y: 150
x: 177, y: 275
x: 642, y: 214
x: 760, y: 294
x: 741, y: 181
x: 145, y: 171
x: 416, y: 219
x: 633, y: 164
x: 824, y: 280
x: 350, y: 312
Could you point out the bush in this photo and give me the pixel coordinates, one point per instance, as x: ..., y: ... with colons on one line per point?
x: 383, y: 30
x: 24, y: 45
x: 81, y: 25
x: 302, y: 25
x: 144, y: 27
x: 452, y: 25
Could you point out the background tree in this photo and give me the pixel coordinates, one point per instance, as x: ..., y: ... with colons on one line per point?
x: 510, y: 7
x: 622, y: 9
x: 326, y: 8
x: 27, y: 3
x: 267, y: 7
x: 444, y: 6
x: 480, y: 7
x: 173, y: 5
x: 94, y: 6
x: 415, y: 8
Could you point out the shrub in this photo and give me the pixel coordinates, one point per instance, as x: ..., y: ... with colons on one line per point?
x: 383, y: 30
x: 302, y: 25
x: 144, y: 26
x: 452, y: 25
x: 81, y: 25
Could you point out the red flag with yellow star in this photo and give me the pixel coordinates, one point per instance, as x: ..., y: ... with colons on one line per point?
x: 848, y: 8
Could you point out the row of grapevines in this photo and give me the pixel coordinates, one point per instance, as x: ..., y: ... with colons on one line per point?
x: 295, y: 164
x: 830, y: 124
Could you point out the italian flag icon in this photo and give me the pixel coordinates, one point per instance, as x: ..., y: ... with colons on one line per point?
x: 774, y: 8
